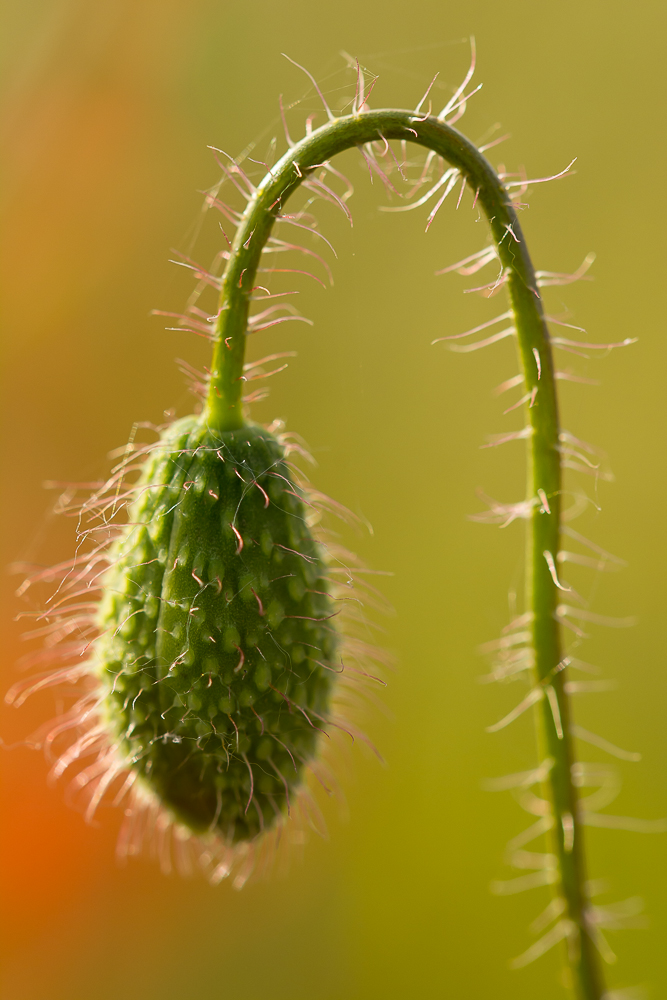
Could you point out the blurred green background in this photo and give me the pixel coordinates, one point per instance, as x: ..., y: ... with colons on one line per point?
x: 108, y: 109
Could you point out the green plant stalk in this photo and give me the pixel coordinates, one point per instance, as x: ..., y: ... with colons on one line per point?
x: 224, y: 412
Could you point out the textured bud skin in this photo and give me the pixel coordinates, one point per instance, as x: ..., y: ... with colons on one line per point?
x: 217, y: 647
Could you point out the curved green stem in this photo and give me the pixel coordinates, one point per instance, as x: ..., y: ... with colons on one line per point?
x: 224, y: 411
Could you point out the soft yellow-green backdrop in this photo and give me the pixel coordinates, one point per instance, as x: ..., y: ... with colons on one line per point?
x: 108, y: 108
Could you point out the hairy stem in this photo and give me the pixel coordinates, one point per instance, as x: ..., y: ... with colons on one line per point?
x: 224, y: 412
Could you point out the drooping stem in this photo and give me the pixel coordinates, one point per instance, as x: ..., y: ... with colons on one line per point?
x: 224, y: 412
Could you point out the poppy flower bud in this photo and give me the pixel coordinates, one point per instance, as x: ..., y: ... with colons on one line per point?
x: 217, y: 646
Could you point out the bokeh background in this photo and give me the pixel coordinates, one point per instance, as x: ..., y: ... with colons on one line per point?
x: 108, y: 109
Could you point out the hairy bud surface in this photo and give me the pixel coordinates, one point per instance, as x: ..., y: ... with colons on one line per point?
x: 217, y: 650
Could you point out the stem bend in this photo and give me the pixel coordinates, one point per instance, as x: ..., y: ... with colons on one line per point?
x: 224, y: 412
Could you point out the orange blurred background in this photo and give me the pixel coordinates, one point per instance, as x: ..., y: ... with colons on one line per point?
x: 108, y: 108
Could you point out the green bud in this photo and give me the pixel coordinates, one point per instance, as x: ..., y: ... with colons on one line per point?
x: 217, y: 661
